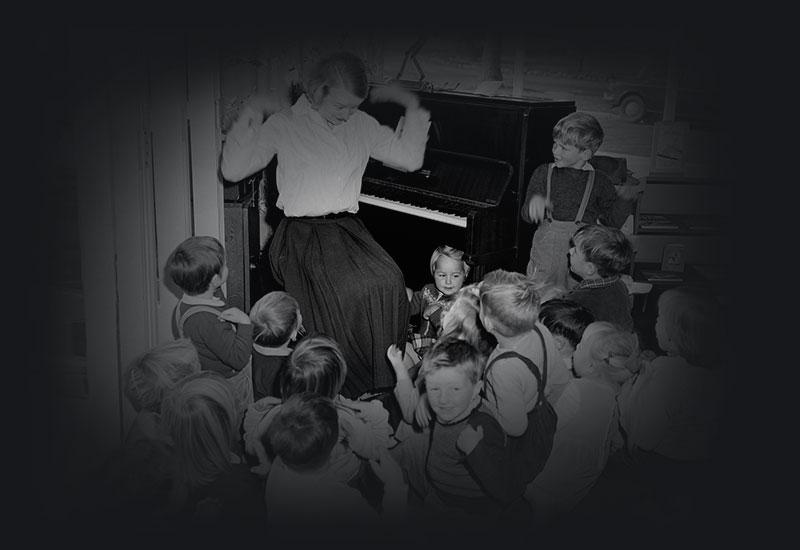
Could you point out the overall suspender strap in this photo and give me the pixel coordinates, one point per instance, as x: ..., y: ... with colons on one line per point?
x: 550, y: 167
x: 179, y: 321
x: 541, y: 379
x: 585, y: 200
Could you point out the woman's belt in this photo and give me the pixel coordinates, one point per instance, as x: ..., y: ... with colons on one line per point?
x: 332, y: 216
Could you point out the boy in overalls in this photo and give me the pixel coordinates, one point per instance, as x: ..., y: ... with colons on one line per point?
x: 565, y: 194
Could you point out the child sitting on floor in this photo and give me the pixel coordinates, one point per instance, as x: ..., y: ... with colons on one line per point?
x: 566, y: 320
x: 301, y: 485
x: 673, y: 406
x: 460, y: 466
x: 317, y: 365
x: 462, y: 320
x: 222, y: 335
x: 449, y: 271
x: 525, y: 373
x: 149, y: 378
x: 276, y: 323
x: 215, y: 490
x: 604, y: 359
x: 599, y: 256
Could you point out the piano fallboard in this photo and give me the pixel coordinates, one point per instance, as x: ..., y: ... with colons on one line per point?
x: 455, y: 196
x: 469, y: 180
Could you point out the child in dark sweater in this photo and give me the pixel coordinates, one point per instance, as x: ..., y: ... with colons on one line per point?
x: 599, y: 256
x: 222, y: 335
x: 460, y: 465
x: 277, y: 322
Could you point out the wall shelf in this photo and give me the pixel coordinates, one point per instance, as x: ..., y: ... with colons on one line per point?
x: 688, y: 211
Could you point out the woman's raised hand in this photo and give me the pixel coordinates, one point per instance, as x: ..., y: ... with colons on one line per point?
x: 263, y: 105
x: 395, y: 94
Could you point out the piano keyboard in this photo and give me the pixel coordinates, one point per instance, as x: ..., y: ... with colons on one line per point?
x: 405, y: 208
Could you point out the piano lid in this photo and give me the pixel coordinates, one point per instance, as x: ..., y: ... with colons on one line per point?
x: 461, y: 177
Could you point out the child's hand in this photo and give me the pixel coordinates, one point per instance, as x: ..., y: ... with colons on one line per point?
x: 537, y: 208
x: 468, y: 439
x: 235, y: 315
x: 387, y: 469
x: 430, y: 310
x: 395, y: 356
x: 422, y: 414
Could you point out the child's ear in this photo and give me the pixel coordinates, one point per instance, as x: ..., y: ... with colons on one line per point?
x: 216, y: 281
x: 591, y: 269
x: 560, y: 342
x: 585, y: 155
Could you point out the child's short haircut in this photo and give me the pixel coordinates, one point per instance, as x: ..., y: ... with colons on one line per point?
x: 510, y: 300
x: 616, y: 349
x: 315, y: 365
x: 201, y: 415
x: 566, y: 318
x: 606, y: 247
x: 304, y: 431
x: 157, y: 371
x: 693, y: 320
x: 580, y: 130
x: 275, y: 316
x: 452, y: 253
x: 453, y: 352
x: 194, y: 263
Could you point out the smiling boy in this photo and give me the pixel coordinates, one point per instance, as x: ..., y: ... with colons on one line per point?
x: 565, y: 194
x: 461, y: 464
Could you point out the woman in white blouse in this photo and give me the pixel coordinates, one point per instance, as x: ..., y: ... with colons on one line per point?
x: 347, y: 285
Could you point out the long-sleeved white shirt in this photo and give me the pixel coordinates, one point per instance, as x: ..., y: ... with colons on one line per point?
x: 320, y: 167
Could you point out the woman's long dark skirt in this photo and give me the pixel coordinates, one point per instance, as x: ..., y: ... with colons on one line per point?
x: 349, y: 288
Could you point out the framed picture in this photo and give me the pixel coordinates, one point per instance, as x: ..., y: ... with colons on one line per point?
x: 669, y: 148
x: 673, y: 256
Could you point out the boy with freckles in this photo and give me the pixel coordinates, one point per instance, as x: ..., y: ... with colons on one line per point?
x: 459, y: 467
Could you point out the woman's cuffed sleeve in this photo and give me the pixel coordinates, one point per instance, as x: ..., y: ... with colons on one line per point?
x: 248, y: 147
x: 403, y: 147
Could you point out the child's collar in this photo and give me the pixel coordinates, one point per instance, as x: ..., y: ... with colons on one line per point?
x: 280, y: 351
x: 197, y: 300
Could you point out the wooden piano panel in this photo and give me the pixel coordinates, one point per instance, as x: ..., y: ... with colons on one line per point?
x: 516, y: 131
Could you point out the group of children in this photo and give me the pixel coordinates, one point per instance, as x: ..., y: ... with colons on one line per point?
x: 513, y: 391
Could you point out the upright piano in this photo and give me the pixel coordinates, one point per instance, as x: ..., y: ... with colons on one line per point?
x: 480, y: 156
x: 481, y: 153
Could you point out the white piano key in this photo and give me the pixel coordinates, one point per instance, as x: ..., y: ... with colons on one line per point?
x: 435, y: 215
